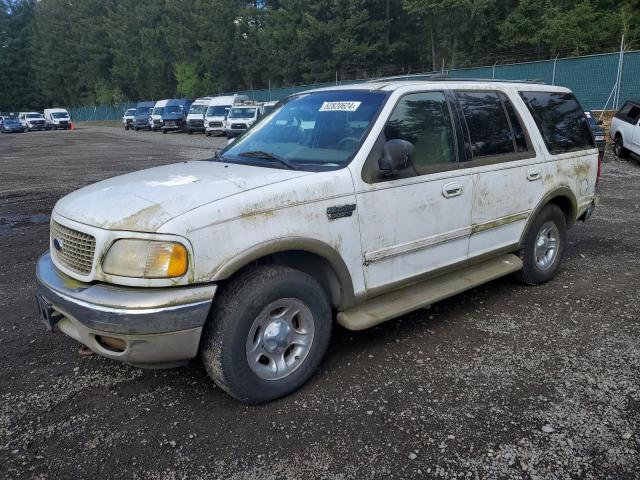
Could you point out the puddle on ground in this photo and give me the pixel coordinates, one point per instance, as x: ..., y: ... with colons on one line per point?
x: 14, y: 222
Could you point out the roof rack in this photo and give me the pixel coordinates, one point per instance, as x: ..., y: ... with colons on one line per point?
x: 445, y: 78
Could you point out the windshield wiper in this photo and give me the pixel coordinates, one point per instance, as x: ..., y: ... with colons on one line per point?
x: 269, y: 156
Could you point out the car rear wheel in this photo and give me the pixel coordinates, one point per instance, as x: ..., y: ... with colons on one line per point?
x: 543, y: 246
x: 618, y: 147
x: 267, y: 333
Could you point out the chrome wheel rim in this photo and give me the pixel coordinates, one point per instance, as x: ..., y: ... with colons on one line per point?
x: 547, y: 244
x: 280, y: 339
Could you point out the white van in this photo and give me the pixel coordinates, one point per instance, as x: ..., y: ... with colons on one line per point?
x: 217, y: 112
x: 195, y: 118
x: 56, y: 118
x: 31, y: 121
x: 241, y: 118
x: 156, y: 115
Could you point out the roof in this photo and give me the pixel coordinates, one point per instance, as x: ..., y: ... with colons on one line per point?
x: 395, y: 83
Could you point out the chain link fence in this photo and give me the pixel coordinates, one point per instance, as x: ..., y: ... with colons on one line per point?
x: 592, y: 78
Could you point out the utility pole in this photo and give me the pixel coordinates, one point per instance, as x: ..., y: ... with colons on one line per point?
x: 616, y: 98
x: 555, y: 62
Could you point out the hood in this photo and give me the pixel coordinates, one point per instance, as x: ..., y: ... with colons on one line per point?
x: 143, y: 201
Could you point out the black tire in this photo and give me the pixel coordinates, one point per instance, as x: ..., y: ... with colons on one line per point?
x: 532, y: 273
x: 136, y: 129
x: 164, y: 131
x: 618, y: 147
x: 238, y: 305
x: 126, y: 127
x: 190, y: 132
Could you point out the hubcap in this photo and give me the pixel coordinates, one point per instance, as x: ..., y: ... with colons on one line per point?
x: 280, y: 338
x: 546, y: 249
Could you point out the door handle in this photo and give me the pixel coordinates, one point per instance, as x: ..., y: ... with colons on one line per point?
x: 534, y: 174
x: 451, y: 190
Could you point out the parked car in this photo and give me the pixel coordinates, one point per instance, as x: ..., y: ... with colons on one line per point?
x: 128, y: 118
x: 143, y: 113
x: 240, y: 119
x: 216, y: 115
x: 598, y: 133
x: 195, y: 117
x: 11, y: 125
x: 56, y: 118
x: 268, y: 107
x: 156, y: 115
x: 174, y: 114
x: 369, y: 201
x: 625, y: 130
x: 31, y: 121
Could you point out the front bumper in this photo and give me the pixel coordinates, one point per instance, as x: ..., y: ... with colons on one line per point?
x: 158, y: 326
x: 172, y: 125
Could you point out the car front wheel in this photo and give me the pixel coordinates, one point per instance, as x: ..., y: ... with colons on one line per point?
x: 268, y: 332
x: 543, y: 246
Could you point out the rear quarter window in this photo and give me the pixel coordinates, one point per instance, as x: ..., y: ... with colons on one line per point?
x: 561, y: 121
x: 630, y: 112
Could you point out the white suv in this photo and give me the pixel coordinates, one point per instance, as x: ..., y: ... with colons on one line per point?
x: 625, y: 130
x: 359, y: 203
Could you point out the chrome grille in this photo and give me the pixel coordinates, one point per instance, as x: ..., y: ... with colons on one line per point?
x: 75, y: 250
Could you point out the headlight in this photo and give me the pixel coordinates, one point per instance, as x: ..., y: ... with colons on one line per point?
x: 146, y: 259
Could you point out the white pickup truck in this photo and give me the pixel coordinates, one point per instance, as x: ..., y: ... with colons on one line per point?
x: 625, y: 130
x: 356, y: 203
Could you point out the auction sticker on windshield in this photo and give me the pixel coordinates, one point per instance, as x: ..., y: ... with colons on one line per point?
x: 339, y: 106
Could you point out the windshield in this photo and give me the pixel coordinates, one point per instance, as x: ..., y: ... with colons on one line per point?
x: 158, y: 111
x: 60, y: 114
x: 267, y: 109
x: 198, y: 109
x: 33, y: 115
x: 242, y: 113
x: 218, y: 111
x: 143, y: 110
x: 130, y: 112
x: 173, y: 109
x: 315, y: 131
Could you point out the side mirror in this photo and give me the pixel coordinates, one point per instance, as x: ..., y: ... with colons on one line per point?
x: 397, y: 155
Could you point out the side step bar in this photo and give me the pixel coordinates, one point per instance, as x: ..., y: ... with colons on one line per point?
x: 394, y: 304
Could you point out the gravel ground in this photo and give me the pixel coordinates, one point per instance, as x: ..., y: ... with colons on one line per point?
x: 504, y: 381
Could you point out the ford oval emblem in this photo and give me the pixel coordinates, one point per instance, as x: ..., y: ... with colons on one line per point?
x: 57, y: 244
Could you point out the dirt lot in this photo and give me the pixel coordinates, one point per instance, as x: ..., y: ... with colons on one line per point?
x: 505, y: 381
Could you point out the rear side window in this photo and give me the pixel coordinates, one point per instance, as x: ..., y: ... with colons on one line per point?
x: 519, y: 138
x: 561, y: 121
x: 630, y: 112
x: 494, y: 128
x: 424, y: 120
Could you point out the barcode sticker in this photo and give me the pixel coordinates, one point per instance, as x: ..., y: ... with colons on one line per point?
x: 339, y: 106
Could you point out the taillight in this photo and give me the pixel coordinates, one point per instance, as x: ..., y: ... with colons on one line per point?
x: 600, y: 158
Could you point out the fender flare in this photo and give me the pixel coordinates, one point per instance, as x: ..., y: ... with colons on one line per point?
x: 280, y: 245
x: 564, y: 192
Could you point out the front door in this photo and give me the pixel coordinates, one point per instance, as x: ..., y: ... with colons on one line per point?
x: 418, y: 220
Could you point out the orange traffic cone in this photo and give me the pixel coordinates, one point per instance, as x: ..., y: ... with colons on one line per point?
x: 72, y: 126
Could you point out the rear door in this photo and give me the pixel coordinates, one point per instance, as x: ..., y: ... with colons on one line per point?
x: 506, y: 171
